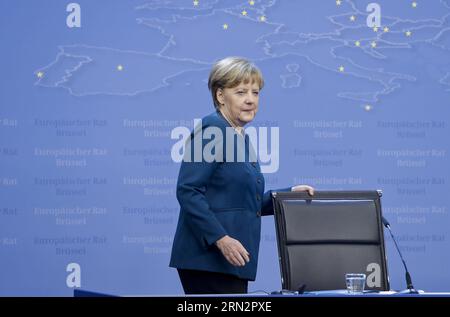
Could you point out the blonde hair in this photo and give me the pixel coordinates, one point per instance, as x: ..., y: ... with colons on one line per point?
x: 230, y: 72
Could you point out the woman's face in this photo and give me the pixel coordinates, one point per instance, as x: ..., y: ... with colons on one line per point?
x: 239, y: 103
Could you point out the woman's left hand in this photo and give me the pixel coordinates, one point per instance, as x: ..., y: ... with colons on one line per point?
x: 303, y: 188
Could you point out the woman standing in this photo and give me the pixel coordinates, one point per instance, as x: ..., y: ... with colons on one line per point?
x: 216, y: 244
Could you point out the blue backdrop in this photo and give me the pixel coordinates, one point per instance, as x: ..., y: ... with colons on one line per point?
x: 91, y: 91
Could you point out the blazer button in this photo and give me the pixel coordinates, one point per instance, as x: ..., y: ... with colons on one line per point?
x: 258, y: 180
x: 258, y: 213
x: 258, y: 198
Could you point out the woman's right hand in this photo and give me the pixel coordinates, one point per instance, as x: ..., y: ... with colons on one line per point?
x: 233, y: 251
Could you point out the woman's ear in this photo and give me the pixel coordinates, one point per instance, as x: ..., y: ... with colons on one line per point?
x: 219, y: 96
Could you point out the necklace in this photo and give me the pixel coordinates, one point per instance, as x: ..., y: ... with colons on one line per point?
x: 239, y: 130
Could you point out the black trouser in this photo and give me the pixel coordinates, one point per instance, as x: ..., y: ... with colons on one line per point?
x: 203, y: 282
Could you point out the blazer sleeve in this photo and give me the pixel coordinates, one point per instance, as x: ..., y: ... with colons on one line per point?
x: 267, y: 204
x: 192, y: 182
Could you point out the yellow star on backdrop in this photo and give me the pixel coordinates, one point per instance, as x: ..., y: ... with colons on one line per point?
x: 40, y: 74
x: 262, y: 18
x: 358, y: 43
x: 196, y: 2
x: 375, y: 29
x: 119, y: 68
x: 225, y: 26
x: 352, y: 18
x: 341, y: 69
x: 414, y: 4
x: 338, y: 2
x: 386, y: 29
x: 408, y: 33
x: 373, y: 44
x: 244, y: 13
x: 252, y: 3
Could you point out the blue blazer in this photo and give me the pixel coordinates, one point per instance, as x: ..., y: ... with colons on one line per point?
x: 219, y: 198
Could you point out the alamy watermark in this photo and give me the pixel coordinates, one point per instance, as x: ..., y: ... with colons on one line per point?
x: 209, y: 145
